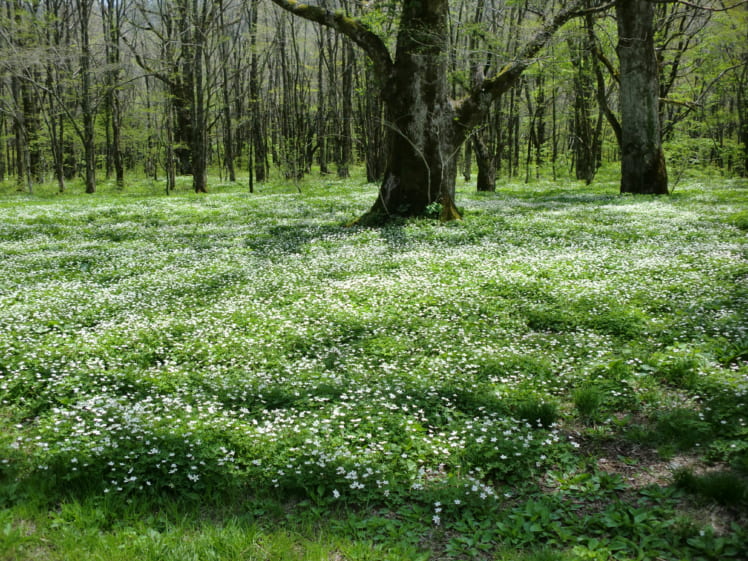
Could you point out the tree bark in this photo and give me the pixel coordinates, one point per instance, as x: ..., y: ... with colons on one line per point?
x: 486, y: 168
x: 257, y: 138
x: 228, y: 126
x: 198, y: 142
x: 112, y: 13
x: 422, y: 138
x: 643, y: 169
x: 88, y: 115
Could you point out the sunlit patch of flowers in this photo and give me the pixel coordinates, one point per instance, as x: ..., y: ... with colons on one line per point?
x: 184, y: 343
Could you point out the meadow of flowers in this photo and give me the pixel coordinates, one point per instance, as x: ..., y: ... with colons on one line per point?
x: 183, y: 346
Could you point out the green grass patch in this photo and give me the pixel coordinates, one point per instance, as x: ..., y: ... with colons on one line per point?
x: 238, y: 376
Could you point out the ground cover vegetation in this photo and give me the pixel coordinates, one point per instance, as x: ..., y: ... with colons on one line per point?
x: 561, y: 375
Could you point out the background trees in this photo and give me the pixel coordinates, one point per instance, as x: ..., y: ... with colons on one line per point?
x: 176, y: 87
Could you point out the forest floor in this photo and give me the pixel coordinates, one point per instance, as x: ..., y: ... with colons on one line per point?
x: 561, y: 375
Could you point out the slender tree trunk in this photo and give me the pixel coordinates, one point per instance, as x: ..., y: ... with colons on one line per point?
x: 111, y: 12
x: 32, y: 126
x: 582, y: 127
x: 467, y: 161
x: 198, y: 143
x: 228, y: 127
x: 601, y: 94
x: 257, y: 138
x: 372, y: 132
x: 643, y: 169
x: 346, y: 134
x: 322, y: 101
x: 85, y: 7
x: 170, y: 164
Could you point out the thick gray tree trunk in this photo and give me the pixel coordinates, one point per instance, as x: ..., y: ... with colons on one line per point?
x: 422, y: 140
x: 643, y: 167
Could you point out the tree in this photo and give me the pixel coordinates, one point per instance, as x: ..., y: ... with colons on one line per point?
x: 425, y: 127
x: 112, y: 14
x: 182, y: 30
x: 643, y: 169
x: 586, y: 126
x: 87, y: 133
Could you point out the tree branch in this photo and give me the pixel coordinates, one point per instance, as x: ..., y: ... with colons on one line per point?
x: 353, y: 28
x: 471, y: 110
x: 699, y: 7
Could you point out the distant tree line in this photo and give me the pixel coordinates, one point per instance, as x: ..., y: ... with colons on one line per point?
x: 107, y: 88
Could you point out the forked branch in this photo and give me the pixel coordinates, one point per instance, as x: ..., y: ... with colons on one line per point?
x: 353, y: 28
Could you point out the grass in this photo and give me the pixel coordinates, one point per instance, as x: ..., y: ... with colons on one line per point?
x: 238, y: 376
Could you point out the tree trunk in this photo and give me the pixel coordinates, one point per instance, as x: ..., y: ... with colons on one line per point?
x: 346, y: 137
x: 467, y: 161
x: 112, y: 13
x: 371, y: 130
x: 228, y: 126
x: 198, y: 142
x: 643, y: 168
x: 583, y: 128
x: 322, y: 102
x: 257, y: 138
x: 486, y: 167
x: 421, y: 138
x: 88, y: 115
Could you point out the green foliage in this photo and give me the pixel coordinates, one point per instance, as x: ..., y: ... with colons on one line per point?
x: 164, y: 353
x: 681, y: 428
x: 740, y: 220
x: 588, y: 400
x: 723, y: 487
x: 537, y: 412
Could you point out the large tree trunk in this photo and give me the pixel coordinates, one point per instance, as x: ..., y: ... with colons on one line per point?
x: 422, y: 141
x: 643, y: 168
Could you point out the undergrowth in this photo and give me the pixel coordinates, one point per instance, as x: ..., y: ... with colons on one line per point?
x: 238, y: 376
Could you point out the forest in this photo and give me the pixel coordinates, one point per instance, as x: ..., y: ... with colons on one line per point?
x: 385, y: 280
x: 98, y: 91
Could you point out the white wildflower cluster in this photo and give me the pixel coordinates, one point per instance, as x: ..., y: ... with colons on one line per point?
x: 172, y: 343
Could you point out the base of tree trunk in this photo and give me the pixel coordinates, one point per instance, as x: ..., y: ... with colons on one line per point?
x: 449, y: 211
x: 639, y: 178
x: 377, y: 216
